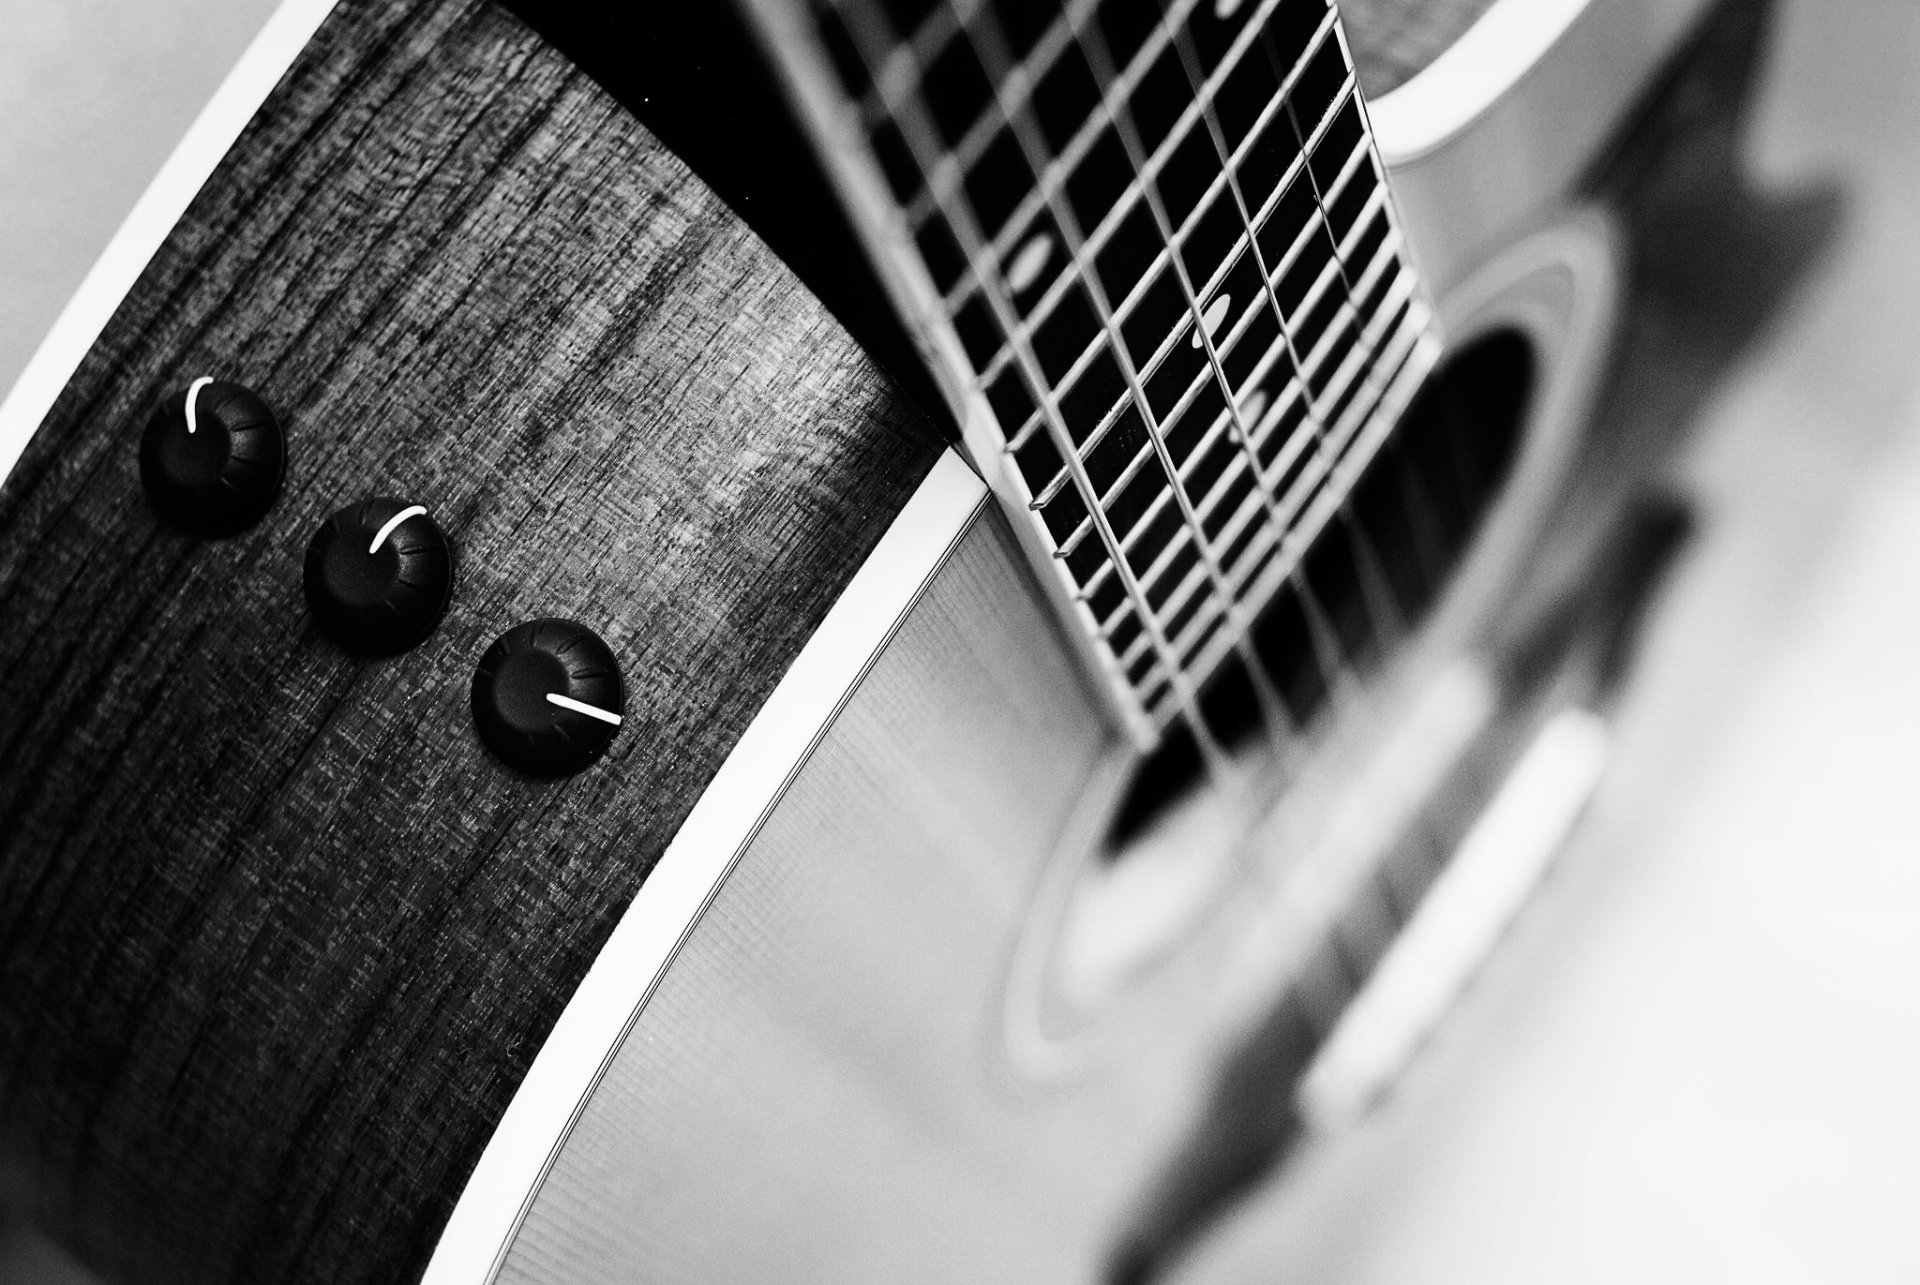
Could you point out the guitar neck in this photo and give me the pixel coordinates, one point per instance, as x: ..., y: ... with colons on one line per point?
x: 1154, y: 261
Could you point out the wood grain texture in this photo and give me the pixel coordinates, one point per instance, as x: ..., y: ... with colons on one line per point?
x: 277, y: 937
x: 1392, y: 40
x: 820, y: 1088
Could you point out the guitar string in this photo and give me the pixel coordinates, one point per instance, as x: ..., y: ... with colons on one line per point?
x: 1374, y: 343
x: 1323, y: 642
x: 874, y: 33
x: 1121, y: 87
x: 1066, y: 219
x: 1253, y: 30
x: 1384, y: 618
x: 1172, y: 254
x: 1381, y: 603
x: 1322, y: 639
x: 1318, y: 992
x: 1236, y: 330
x: 1123, y: 203
x: 1326, y: 986
x: 1032, y: 68
x: 1104, y: 570
x: 1201, y: 378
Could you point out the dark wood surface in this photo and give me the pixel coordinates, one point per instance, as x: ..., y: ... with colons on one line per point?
x: 277, y: 937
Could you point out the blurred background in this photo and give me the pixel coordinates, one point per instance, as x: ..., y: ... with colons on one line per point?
x: 1694, y: 1058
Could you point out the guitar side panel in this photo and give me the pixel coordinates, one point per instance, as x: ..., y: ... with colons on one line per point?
x: 278, y: 938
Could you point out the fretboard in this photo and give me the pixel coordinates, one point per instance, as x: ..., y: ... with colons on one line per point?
x: 1153, y: 251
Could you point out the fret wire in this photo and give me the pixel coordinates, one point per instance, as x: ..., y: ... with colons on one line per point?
x: 1312, y: 475
x: 1027, y: 73
x: 918, y: 134
x: 1018, y: 221
x: 1293, y: 392
x: 1241, y: 325
x: 1237, y: 332
x: 1336, y: 389
x: 962, y: 218
x: 1325, y: 507
x: 1191, y: 116
x: 1369, y: 434
x: 1323, y: 644
x: 1387, y: 622
x: 1328, y: 449
x: 1188, y: 585
x: 1199, y: 384
x: 1135, y: 190
x: 1389, y: 252
x: 1375, y: 205
x: 1275, y: 565
x: 1125, y: 80
x: 1386, y: 259
x: 1196, y: 583
x: 1180, y: 330
x: 1162, y: 259
x: 1164, y: 559
x: 1323, y: 285
x: 1210, y: 609
x: 1225, y: 184
x: 1068, y: 222
x: 1273, y: 556
x: 1165, y: 347
x: 1384, y: 197
x: 1381, y: 607
x: 1349, y: 169
x: 975, y: 142
x: 1332, y: 446
x: 1174, y: 414
x: 1325, y: 468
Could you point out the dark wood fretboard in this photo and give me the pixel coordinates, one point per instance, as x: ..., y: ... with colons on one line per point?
x: 1154, y: 253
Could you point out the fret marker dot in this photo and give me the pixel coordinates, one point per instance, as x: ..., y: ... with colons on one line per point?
x: 1030, y: 262
x: 1225, y: 8
x: 1213, y: 318
x: 1252, y: 407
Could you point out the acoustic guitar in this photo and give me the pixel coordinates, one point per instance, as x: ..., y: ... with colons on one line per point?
x: 842, y: 640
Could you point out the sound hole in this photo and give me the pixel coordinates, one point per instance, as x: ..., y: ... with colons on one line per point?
x: 1404, y: 530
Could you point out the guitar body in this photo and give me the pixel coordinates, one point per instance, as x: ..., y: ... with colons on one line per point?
x: 815, y: 975
x: 261, y: 896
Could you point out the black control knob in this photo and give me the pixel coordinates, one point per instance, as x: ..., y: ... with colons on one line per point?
x: 547, y: 697
x: 379, y: 575
x: 212, y: 458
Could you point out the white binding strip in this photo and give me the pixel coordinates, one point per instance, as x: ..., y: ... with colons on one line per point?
x: 1469, y: 76
x: 193, y: 402
x: 380, y: 536
x: 186, y: 171
x: 581, y: 707
x: 670, y: 902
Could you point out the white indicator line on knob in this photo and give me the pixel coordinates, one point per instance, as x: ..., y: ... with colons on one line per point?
x: 581, y: 707
x: 380, y: 536
x: 193, y: 395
